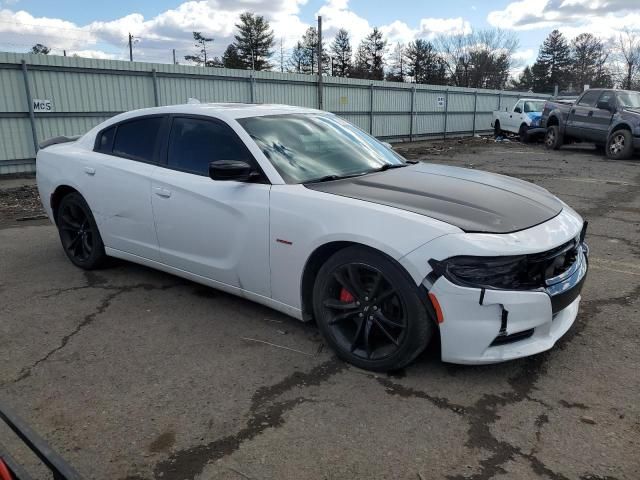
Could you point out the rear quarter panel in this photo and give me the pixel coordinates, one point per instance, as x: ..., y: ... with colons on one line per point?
x: 58, y: 165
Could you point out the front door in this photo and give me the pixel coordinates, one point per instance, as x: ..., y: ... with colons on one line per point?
x: 215, y: 229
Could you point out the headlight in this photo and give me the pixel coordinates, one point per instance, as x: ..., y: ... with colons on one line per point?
x: 488, y: 272
x: 518, y: 272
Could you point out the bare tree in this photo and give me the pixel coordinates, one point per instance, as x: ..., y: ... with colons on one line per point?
x: 628, y: 49
x: 481, y: 59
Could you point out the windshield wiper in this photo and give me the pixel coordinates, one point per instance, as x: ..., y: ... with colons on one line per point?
x: 388, y: 166
x: 329, y: 178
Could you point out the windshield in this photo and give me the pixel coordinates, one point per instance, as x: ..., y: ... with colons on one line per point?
x: 629, y: 99
x: 533, y: 106
x: 311, y: 147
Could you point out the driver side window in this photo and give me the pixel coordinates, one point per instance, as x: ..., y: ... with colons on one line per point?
x: 195, y: 142
x: 518, y: 107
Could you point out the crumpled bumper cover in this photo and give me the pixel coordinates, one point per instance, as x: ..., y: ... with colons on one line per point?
x: 476, y: 320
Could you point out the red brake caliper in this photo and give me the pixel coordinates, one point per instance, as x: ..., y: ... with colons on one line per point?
x: 345, y: 296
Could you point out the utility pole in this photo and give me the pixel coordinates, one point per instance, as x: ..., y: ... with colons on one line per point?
x: 130, y: 47
x: 319, y: 62
x: 174, y: 56
x: 64, y: 53
x: 281, y: 56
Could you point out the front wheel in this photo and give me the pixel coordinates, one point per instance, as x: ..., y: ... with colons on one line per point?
x: 523, y: 133
x: 620, y: 145
x: 79, y: 233
x: 370, y: 311
x: 553, y: 138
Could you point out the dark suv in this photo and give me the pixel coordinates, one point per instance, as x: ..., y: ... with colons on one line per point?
x: 609, y: 118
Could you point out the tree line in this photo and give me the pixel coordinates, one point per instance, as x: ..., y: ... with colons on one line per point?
x: 479, y: 59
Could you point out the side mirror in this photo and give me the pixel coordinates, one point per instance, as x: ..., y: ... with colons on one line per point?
x: 517, y: 110
x: 605, y: 106
x: 231, y: 170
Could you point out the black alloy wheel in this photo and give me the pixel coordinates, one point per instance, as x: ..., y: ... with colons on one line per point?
x: 79, y: 233
x: 369, y: 311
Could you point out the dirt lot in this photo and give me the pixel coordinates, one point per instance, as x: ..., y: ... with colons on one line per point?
x: 134, y: 374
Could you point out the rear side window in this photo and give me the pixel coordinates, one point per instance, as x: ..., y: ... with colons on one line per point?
x: 137, y: 139
x: 105, y: 140
x: 194, y: 143
x: 589, y: 99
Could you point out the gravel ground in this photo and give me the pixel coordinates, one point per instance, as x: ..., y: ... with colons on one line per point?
x: 134, y: 374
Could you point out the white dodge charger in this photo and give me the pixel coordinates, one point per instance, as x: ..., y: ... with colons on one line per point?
x: 301, y: 211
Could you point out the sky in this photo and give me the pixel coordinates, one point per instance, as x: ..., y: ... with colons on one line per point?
x: 100, y: 29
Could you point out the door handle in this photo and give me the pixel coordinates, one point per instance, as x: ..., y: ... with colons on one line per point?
x: 162, y: 192
x: 590, y: 113
x: 89, y: 170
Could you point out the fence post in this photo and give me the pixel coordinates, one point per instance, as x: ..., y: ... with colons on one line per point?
x: 446, y: 113
x: 475, y: 109
x: 413, y: 108
x: 500, y: 101
x: 252, y: 82
x: 155, y: 87
x: 32, y: 117
x: 371, y: 109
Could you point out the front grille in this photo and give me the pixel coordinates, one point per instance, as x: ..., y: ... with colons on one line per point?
x: 547, y: 265
x: 514, y: 337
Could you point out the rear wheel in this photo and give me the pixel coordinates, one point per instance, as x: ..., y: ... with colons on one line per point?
x: 79, y: 233
x: 553, y: 139
x: 620, y: 145
x: 497, y: 132
x: 370, y: 311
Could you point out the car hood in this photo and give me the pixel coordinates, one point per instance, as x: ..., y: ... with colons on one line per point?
x: 472, y: 200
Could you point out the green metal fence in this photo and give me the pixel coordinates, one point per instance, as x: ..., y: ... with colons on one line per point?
x: 45, y: 96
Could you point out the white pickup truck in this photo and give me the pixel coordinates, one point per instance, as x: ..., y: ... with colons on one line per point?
x: 523, y: 119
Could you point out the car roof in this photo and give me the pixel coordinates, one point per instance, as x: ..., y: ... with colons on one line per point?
x: 220, y: 110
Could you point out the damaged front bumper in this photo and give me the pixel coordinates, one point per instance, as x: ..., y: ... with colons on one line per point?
x: 489, y: 325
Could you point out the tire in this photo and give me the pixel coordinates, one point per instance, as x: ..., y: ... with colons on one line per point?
x: 553, y: 139
x: 79, y: 233
x: 497, y: 132
x: 523, y: 133
x: 370, y: 311
x: 620, y: 145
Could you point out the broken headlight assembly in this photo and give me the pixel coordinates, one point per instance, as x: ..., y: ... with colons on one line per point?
x: 519, y: 272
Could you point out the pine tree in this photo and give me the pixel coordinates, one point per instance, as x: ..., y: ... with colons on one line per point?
x: 524, y: 83
x: 230, y: 57
x: 588, y: 59
x: 254, y: 41
x: 305, y: 54
x: 398, y: 68
x: 425, y: 65
x: 341, y: 50
x: 369, y: 61
x: 297, y: 59
x: 553, y: 65
x: 200, y: 58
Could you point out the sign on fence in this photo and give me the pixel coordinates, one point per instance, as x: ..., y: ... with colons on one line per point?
x: 440, y: 102
x: 42, y: 105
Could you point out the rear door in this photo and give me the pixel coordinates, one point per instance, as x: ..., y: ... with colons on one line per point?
x: 215, y: 229
x: 578, y: 120
x: 118, y: 184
